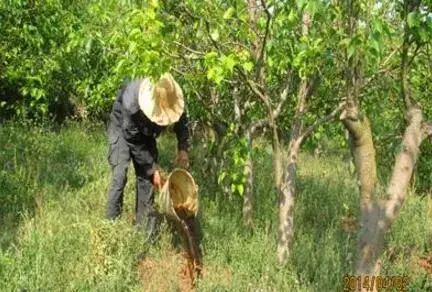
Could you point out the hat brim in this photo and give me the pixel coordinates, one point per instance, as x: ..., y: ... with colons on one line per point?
x: 157, y: 115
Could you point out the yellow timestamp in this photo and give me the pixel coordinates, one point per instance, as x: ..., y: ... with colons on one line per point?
x: 373, y: 283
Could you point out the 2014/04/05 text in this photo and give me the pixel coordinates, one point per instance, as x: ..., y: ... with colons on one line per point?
x: 357, y: 282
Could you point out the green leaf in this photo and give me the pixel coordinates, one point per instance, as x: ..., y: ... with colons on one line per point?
x: 229, y: 62
x: 412, y: 19
x: 215, y: 35
x: 377, y: 25
x: 247, y: 66
x: 221, y: 177
x: 240, y: 189
x: 89, y: 45
x: 300, y: 3
x: 375, y: 45
x: 210, y: 57
x: 135, y: 32
x: 291, y: 15
x: 229, y: 13
x: 312, y: 7
x: 351, y: 51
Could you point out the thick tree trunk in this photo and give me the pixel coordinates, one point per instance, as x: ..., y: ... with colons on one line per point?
x: 362, y: 148
x: 376, y: 218
x: 397, y: 190
x: 286, y: 203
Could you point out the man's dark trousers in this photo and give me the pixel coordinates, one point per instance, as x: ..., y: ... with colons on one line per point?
x: 143, y: 155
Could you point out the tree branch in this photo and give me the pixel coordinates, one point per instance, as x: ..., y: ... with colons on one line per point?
x: 256, y: 89
x: 264, y: 41
x: 321, y: 121
x: 404, y: 165
x: 258, y: 124
x: 283, y: 98
x: 178, y: 71
x: 405, y: 90
x: 382, y: 69
x: 188, y: 49
x: 414, y: 55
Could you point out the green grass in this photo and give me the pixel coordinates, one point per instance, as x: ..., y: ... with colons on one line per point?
x: 53, y: 235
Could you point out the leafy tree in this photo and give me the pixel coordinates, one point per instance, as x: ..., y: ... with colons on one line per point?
x: 378, y: 213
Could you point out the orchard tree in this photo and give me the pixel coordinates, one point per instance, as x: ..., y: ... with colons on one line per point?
x: 379, y: 212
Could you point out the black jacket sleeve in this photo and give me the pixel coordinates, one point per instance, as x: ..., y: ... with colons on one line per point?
x: 130, y: 123
x: 181, y: 129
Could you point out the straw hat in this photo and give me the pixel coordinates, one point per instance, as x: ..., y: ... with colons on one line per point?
x: 162, y: 103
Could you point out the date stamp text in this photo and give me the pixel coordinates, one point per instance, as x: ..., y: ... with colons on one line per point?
x: 374, y: 283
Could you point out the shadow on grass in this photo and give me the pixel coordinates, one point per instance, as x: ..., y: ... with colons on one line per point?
x: 35, y: 167
x: 323, y: 248
x: 322, y: 251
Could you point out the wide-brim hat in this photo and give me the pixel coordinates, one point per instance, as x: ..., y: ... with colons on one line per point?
x: 163, y: 102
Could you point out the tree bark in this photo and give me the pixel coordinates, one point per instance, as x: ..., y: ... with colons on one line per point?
x: 248, y: 172
x: 287, y: 189
x: 377, y: 217
x: 248, y: 195
x: 286, y: 203
x: 363, y: 151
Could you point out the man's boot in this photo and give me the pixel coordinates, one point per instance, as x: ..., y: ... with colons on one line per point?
x: 152, y: 229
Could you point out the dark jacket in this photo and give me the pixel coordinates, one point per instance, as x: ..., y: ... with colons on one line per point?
x: 128, y: 120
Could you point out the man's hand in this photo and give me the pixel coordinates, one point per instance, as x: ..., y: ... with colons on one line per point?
x: 183, y: 159
x: 157, y: 183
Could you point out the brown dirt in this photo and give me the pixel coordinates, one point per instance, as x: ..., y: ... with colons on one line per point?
x: 171, y: 271
x: 348, y: 224
x: 426, y: 263
x: 175, y: 270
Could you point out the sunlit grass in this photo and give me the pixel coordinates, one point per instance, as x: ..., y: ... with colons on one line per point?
x: 54, y: 237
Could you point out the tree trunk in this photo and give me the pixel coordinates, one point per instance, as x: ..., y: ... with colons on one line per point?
x: 287, y: 189
x: 397, y: 190
x: 286, y: 202
x: 277, y: 159
x: 362, y: 148
x: 247, y: 198
x: 377, y: 217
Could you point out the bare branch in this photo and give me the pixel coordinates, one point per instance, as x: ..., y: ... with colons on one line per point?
x: 264, y: 41
x: 404, y: 165
x: 414, y: 55
x: 256, y: 89
x: 383, y: 69
x: 405, y: 90
x: 389, y: 57
x: 312, y: 85
x: 321, y: 121
x: 283, y: 97
x: 171, y: 54
x: 178, y: 71
x: 258, y: 124
x: 188, y: 49
x: 238, y: 44
x: 237, y: 111
x: 188, y: 12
